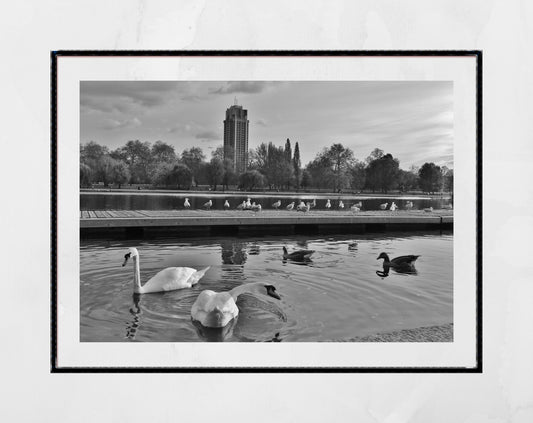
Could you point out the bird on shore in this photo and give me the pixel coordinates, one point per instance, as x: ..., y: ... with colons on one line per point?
x: 290, y: 206
x: 397, y: 262
x: 216, y: 309
x: 354, y: 208
x: 186, y: 204
x: 359, y: 204
x: 305, y: 208
x: 297, y: 255
x: 383, y: 206
x: 168, y: 279
x: 277, y: 204
x: 341, y: 205
x: 328, y: 204
x: 226, y: 205
x: 248, y: 204
x: 409, y: 205
x: 313, y: 204
x: 256, y: 207
x: 208, y: 205
x: 241, y: 206
x: 393, y: 206
x: 447, y: 207
x: 428, y: 209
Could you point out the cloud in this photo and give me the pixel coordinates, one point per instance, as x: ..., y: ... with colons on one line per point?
x: 111, y: 124
x: 246, y: 87
x: 192, y: 97
x: 208, y: 136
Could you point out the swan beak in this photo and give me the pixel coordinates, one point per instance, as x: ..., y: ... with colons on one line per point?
x: 126, y: 257
x: 274, y: 295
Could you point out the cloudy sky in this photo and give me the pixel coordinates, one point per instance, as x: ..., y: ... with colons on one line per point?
x: 411, y: 120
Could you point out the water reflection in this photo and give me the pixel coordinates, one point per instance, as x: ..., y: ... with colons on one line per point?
x: 233, y: 252
x: 408, y: 269
x: 135, y: 311
x: 215, y: 334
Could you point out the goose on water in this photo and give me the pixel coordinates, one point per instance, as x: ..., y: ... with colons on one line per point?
x: 168, y: 279
x: 186, y: 204
x: 217, y: 309
x: 277, y: 204
x: 400, y: 261
x: 208, y: 205
x: 298, y: 254
x: 383, y: 206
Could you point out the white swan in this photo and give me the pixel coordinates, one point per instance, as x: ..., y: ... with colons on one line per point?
x: 186, y: 204
x: 167, y: 279
x: 217, y: 309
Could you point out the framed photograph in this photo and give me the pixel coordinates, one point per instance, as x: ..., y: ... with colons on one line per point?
x: 266, y: 211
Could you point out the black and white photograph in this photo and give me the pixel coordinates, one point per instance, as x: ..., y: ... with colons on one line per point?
x: 315, y: 210
x: 260, y: 211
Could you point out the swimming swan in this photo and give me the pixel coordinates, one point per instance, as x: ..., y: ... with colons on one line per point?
x: 167, y: 279
x: 217, y: 309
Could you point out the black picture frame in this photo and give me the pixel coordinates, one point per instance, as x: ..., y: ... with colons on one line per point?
x: 477, y: 54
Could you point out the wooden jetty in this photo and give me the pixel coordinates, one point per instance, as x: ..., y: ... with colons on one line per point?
x: 212, y: 221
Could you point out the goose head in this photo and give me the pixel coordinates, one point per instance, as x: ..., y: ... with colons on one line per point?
x: 132, y: 252
x: 383, y: 256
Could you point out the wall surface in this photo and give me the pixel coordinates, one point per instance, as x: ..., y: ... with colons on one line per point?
x: 502, y: 29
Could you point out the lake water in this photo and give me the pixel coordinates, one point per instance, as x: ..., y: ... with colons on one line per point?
x: 171, y: 201
x: 340, y: 294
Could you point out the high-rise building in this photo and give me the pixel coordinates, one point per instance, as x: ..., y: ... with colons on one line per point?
x: 236, y: 137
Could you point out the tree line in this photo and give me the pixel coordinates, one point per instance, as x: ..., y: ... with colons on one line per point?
x: 269, y: 167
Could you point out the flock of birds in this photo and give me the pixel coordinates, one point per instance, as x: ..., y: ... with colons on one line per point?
x: 216, y: 309
x: 305, y: 206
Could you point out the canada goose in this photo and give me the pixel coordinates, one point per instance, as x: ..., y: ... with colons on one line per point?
x: 226, y: 205
x: 290, y: 206
x: 277, y: 204
x: 208, y: 205
x: 298, y: 254
x: 383, y: 206
x: 186, y: 204
x: 397, y: 261
x: 167, y: 279
x: 217, y: 309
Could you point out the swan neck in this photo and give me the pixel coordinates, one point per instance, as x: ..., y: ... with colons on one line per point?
x: 253, y: 287
x: 136, y: 276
